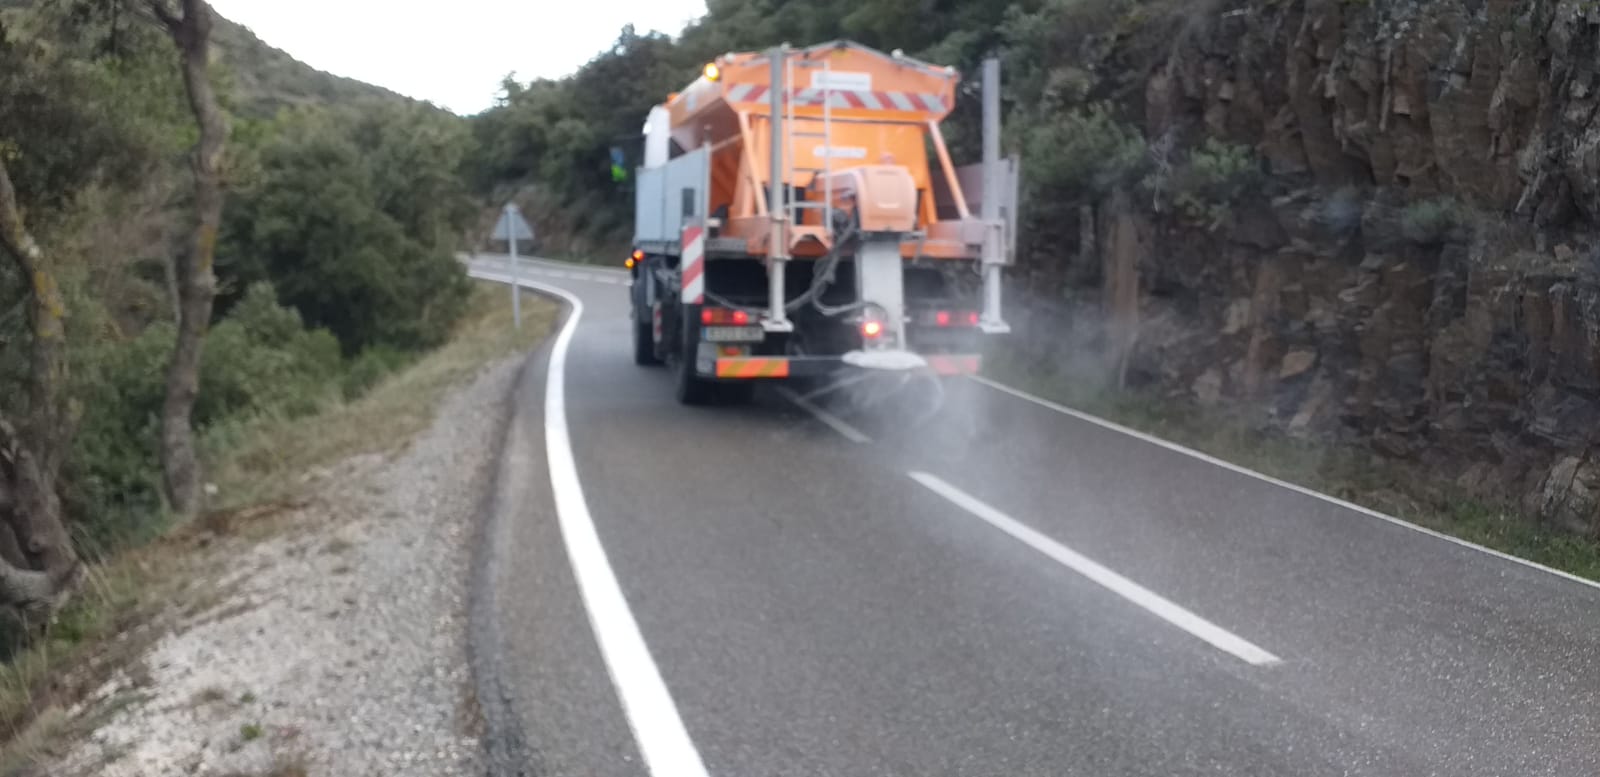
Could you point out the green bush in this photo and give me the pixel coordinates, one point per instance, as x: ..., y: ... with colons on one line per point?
x: 112, y: 487
x: 1205, y: 187
x: 1434, y: 221
x: 370, y: 368
x: 260, y: 359
x: 313, y: 226
x: 1084, y: 153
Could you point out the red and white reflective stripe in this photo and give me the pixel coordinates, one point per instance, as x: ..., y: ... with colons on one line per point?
x: 741, y: 93
x: 873, y: 101
x: 846, y: 98
x: 693, y: 263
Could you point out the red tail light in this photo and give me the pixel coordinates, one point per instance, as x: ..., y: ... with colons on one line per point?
x: 871, y: 329
x: 942, y: 318
x: 972, y: 319
x: 724, y: 317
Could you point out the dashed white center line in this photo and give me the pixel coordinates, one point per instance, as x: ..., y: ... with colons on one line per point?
x: 1160, y: 606
x: 834, y: 422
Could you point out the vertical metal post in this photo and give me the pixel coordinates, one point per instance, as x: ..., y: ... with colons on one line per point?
x: 777, y: 245
x: 993, y: 227
x: 516, y: 274
x: 991, y: 138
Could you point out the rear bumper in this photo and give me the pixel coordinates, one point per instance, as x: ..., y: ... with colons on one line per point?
x: 767, y: 367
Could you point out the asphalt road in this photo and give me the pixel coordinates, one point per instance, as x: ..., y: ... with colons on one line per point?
x: 1002, y: 588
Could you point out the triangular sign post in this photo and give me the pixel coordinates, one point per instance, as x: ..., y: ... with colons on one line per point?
x: 512, y: 227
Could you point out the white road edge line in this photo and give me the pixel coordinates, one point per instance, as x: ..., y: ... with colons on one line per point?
x: 1299, y: 489
x: 549, y: 264
x: 651, y: 713
x: 834, y: 422
x: 1157, y: 605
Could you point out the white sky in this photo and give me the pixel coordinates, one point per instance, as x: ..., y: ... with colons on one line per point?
x: 452, y: 53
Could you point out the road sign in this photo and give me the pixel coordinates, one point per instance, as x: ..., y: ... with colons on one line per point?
x: 512, y: 226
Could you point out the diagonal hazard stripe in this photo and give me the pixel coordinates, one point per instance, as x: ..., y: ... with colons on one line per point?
x: 752, y: 367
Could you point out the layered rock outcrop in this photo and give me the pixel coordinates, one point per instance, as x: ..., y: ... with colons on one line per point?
x: 1421, y: 271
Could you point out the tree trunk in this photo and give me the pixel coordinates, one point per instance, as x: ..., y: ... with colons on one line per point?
x: 197, y: 283
x: 1124, y: 247
x: 1087, y: 226
x: 38, y: 575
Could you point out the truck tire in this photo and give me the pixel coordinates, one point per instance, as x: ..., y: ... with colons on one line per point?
x: 644, y: 347
x: 644, y: 325
x: 691, y: 388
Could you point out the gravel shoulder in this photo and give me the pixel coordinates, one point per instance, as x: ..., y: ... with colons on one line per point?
x: 338, y: 644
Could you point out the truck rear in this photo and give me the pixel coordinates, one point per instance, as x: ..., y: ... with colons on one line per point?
x: 798, y: 214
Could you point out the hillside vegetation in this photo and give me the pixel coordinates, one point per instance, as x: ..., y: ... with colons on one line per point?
x: 334, y: 263
x: 266, y: 80
x: 261, y: 79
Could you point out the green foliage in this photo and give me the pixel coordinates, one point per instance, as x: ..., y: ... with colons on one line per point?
x: 370, y: 368
x: 263, y: 359
x: 71, y: 116
x: 259, y: 360
x: 1205, y: 187
x: 1082, y: 154
x: 354, y: 218
x: 94, y: 129
x: 263, y: 80
x: 1434, y: 221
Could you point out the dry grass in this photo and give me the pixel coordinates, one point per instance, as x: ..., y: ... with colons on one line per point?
x: 138, y: 594
x: 39, y: 743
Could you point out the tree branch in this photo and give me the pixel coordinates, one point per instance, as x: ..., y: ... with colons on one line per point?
x: 8, y: 468
x: 164, y: 15
x: 14, y: 237
x: 46, y: 315
x: 33, y: 593
x: 196, y: 280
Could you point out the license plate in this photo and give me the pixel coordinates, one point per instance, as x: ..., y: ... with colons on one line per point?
x: 735, y: 334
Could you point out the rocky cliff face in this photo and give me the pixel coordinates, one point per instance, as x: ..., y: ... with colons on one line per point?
x: 1419, y: 270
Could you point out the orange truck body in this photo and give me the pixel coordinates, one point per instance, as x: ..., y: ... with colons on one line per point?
x: 882, y: 120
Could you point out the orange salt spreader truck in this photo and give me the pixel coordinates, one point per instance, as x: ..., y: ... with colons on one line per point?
x: 798, y: 214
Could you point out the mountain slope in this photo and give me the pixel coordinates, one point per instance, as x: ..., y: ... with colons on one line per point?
x: 266, y: 79
x: 263, y: 79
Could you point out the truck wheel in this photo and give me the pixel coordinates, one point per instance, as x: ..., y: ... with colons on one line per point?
x: 691, y: 388
x: 644, y: 347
